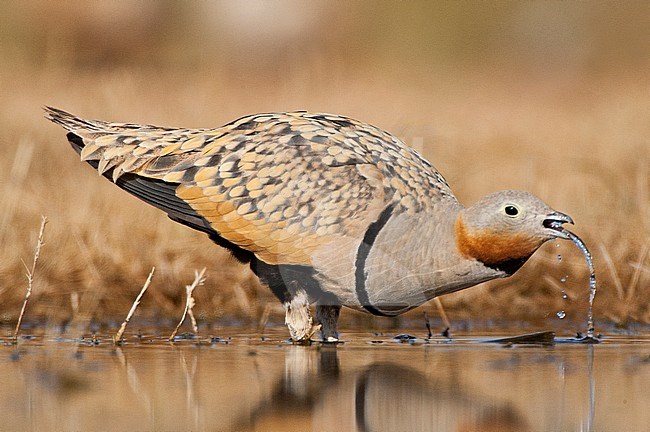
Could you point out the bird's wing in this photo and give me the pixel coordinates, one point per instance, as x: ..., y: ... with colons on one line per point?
x: 278, y: 185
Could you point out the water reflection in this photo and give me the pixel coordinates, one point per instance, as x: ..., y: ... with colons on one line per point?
x: 385, y: 396
x: 248, y: 385
x: 391, y: 397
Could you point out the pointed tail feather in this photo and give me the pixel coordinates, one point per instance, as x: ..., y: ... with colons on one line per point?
x: 69, y: 121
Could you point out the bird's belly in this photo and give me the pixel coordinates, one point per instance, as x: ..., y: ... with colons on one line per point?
x: 392, y: 288
x: 396, y: 283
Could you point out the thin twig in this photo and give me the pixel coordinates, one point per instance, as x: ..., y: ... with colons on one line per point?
x: 118, y: 336
x: 443, y: 315
x: 199, y: 279
x: 30, y: 275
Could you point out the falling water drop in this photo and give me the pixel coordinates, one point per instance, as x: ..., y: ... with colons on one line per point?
x: 564, y: 295
x: 564, y: 279
x: 561, y: 314
x: 559, y: 258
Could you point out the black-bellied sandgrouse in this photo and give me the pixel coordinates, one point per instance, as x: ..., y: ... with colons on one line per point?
x: 325, y: 209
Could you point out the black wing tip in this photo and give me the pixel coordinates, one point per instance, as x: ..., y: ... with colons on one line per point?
x: 76, y: 142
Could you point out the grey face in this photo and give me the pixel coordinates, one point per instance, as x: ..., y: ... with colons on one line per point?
x: 516, y: 212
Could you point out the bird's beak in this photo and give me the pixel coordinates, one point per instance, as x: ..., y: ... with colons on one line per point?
x: 554, y: 221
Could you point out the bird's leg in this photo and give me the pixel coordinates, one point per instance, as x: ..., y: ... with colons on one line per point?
x: 298, y: 317
x: 328, y: 316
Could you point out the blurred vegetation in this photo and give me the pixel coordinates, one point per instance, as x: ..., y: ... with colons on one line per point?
x: 553, y: 97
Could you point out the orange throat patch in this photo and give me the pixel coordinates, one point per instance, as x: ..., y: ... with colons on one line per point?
x: 492, y: 247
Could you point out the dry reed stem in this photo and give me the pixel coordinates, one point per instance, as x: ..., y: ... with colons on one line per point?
x: 199, y: 279
x: 443, y: 314
x: 88, y: 303
x: 118, y: 336
x: 264, y: 319
x: 612, y: 269
x: 30, y: 275
x: 642, y: 268
x: 634, y: 281
x: 553, y: 282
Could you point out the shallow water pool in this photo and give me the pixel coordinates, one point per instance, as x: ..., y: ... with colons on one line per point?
x: 241, y: 382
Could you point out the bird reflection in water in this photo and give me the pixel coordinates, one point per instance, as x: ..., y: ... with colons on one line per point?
x: 314, y: 393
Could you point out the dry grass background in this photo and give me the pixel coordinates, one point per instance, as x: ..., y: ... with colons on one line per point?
x: 549, y: 97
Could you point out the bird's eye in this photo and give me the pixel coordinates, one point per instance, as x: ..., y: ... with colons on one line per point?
x: 511, y: 210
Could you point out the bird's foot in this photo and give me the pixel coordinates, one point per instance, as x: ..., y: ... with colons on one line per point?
x: 328, y: 316
x: 298, y: 318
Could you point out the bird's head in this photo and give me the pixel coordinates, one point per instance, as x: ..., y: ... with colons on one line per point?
x: 505, y: 228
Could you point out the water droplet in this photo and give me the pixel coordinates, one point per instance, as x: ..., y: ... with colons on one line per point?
x: 561, y: 314
x: 564, y: 279
x: 559, y: 258
x: 557, y: 245
x: 564, y: 295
